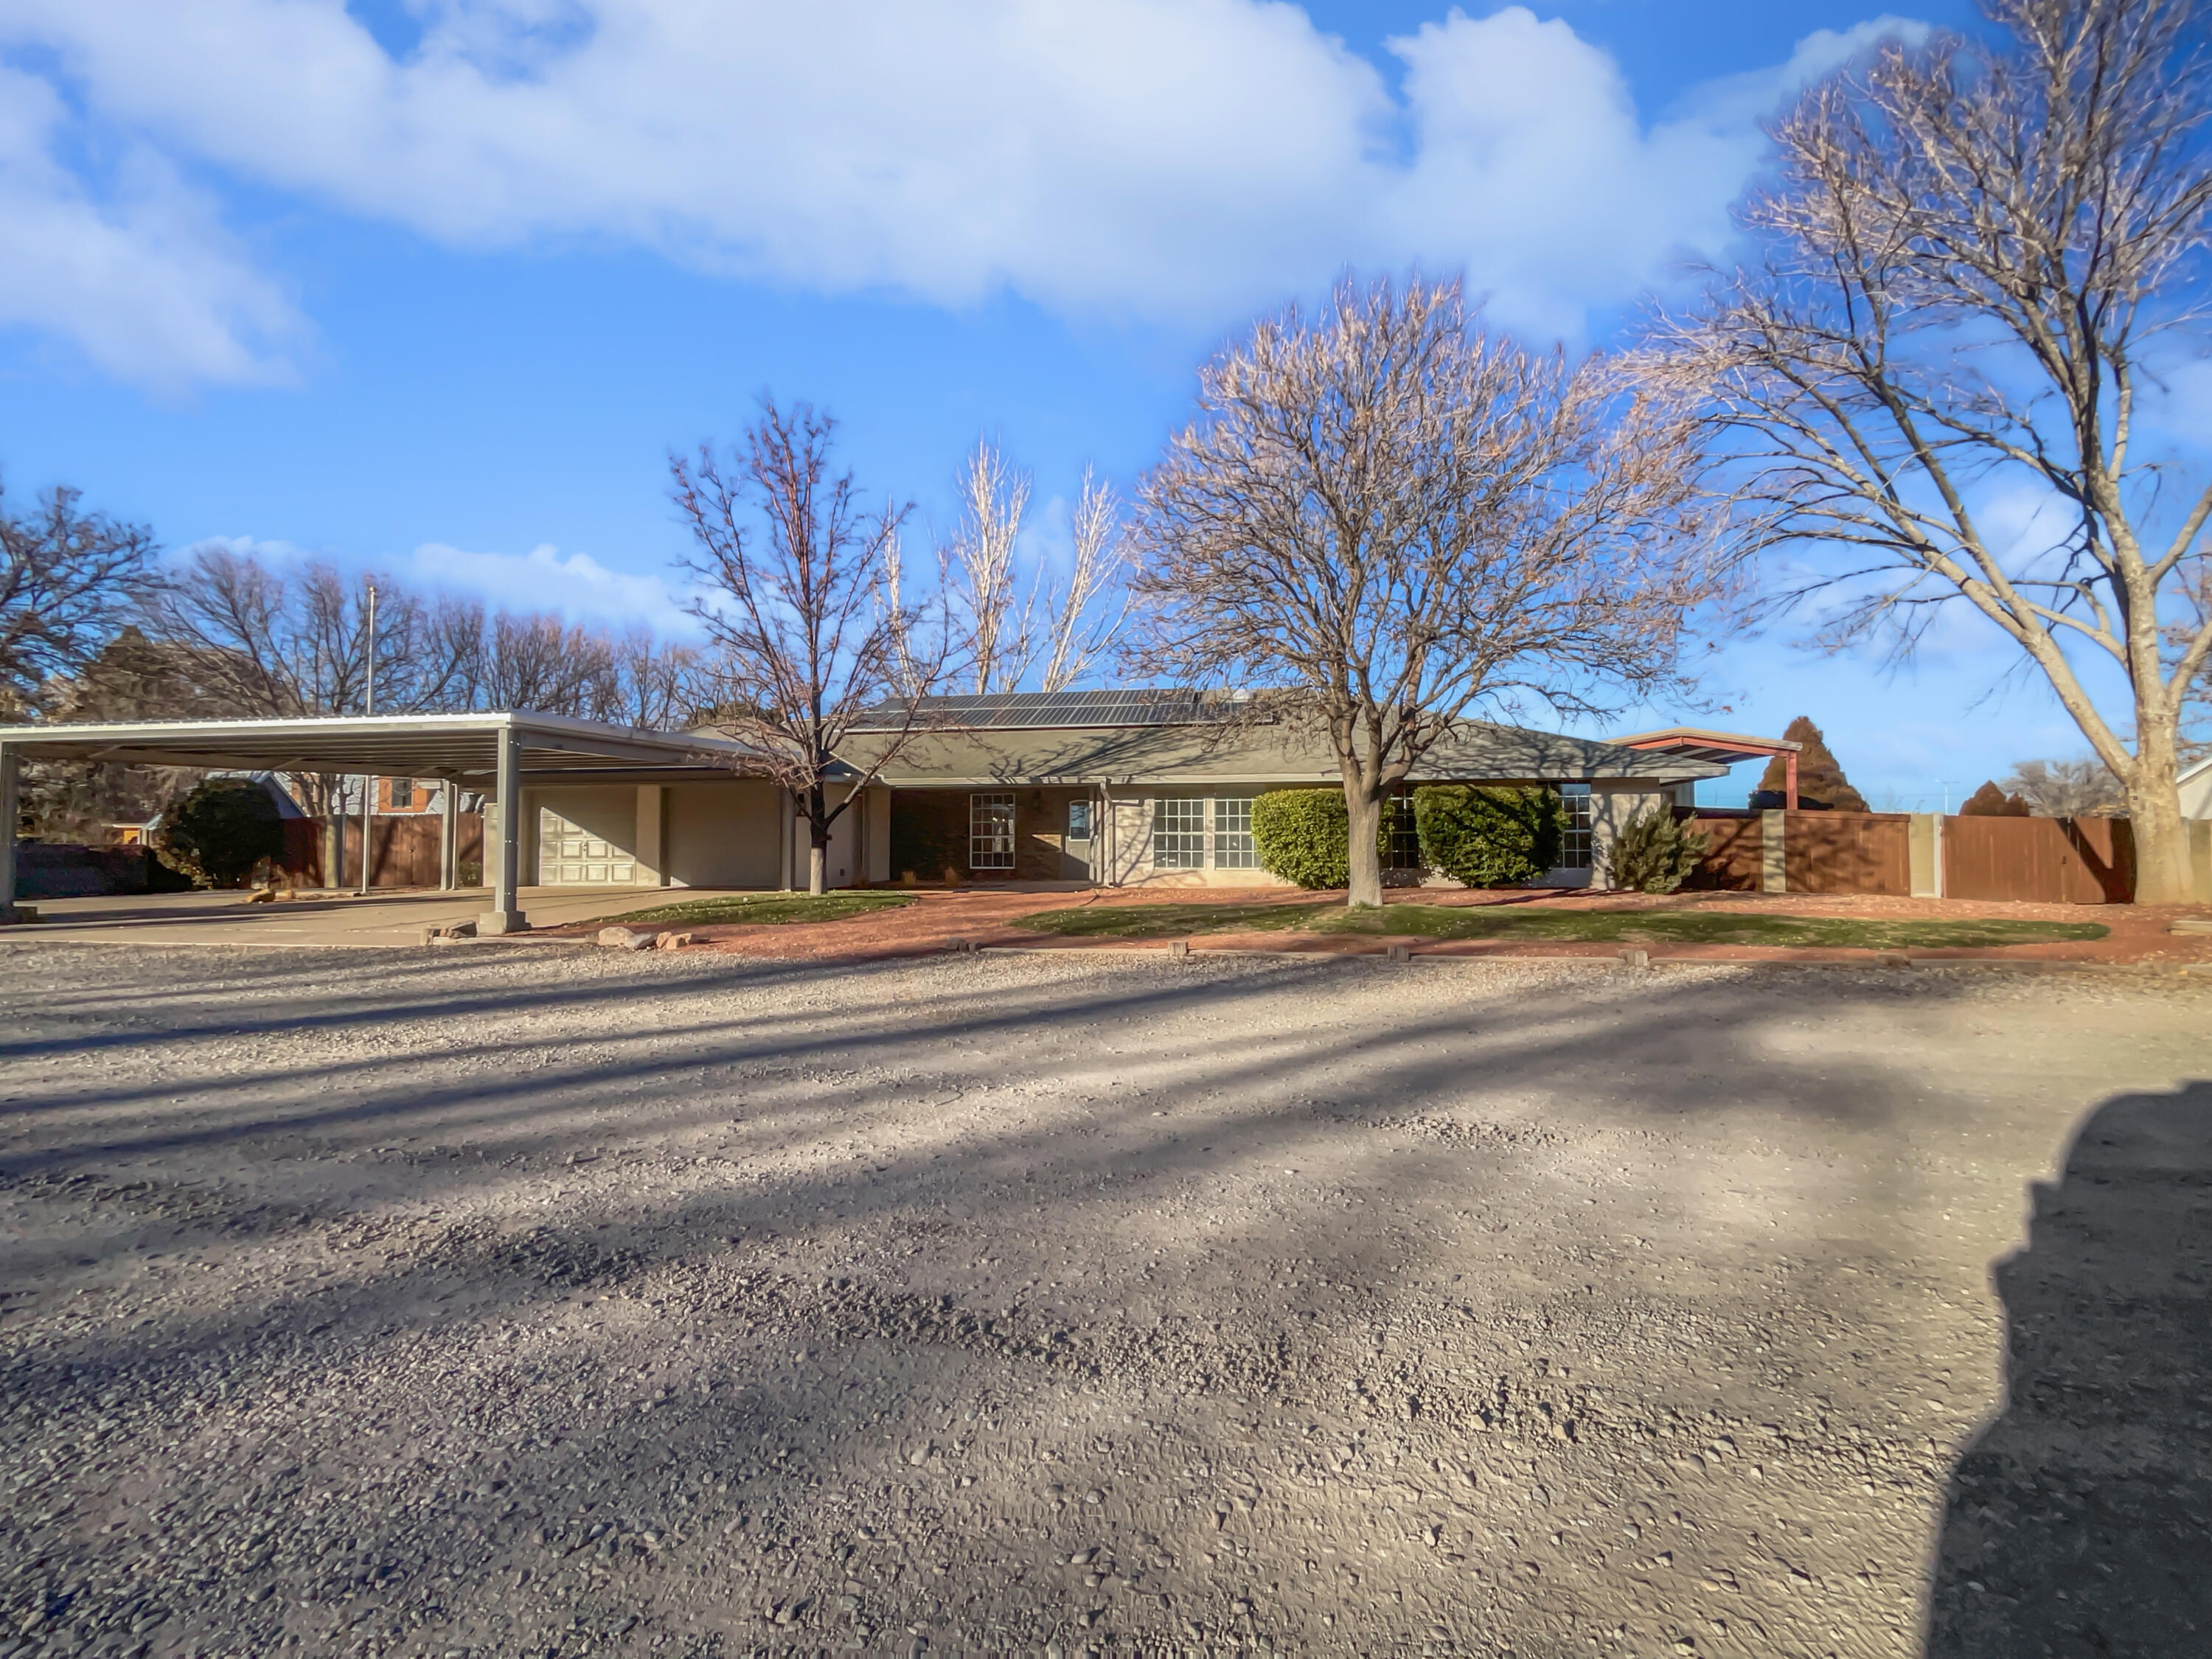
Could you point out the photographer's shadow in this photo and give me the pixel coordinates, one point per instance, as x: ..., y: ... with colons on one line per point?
x: 2081, y: 1521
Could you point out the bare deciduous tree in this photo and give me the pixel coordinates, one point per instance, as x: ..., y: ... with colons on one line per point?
x: 256, y: 641
x: 1400, y: 519
x: 541, y: 662
x: 655, y: 684
x: 808, y: 639
x: 68, y: 579
x: 1020, y: 622
x: 994, y: 496
x: 2065, y: 789
x: 265, y: 645
x: 1974, y: 253
x: 1083, y: 623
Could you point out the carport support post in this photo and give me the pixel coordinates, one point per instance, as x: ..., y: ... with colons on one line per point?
x: 9, y: 911
x: 503, y: 917
x: 449, y: 836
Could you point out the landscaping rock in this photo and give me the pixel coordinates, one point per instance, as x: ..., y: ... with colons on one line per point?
x: 622, y: 938
x: 673, y: 941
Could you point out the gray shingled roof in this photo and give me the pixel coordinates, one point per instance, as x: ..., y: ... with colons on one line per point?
x: 1222, y: 750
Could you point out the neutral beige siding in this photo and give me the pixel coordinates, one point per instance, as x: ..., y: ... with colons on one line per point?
x: 1612, y: 806
x: 721, y: 835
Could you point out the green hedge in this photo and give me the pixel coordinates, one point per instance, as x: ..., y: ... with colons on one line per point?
x: 1304, y: 835
x: 1489, y: 837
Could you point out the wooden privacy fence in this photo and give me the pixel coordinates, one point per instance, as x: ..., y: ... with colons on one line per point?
x: 2040, y: 860
x: 1736, y: 856
x: 406, y: 850
x: 1848, y: 853
x: 2057, y: 861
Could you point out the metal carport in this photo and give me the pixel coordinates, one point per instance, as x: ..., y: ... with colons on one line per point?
x: 491, y: 753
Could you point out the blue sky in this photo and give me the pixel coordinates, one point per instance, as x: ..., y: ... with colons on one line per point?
x: 436, y: 284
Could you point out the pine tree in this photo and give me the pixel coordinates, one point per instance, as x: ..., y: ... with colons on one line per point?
x: 1821, y: 785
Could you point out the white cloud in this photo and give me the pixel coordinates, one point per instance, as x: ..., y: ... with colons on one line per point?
x: 1179, y: 159
x: 576, y: 585
x: 135, y: 271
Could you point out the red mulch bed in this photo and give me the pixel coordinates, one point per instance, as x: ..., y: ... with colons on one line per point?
x: 982, y: 917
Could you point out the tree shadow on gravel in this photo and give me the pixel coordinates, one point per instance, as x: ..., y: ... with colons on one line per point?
x: 2080, y: 1523
x: 766, y: 1376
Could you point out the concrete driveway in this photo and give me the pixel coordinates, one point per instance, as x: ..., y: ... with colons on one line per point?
x: 319, y: 918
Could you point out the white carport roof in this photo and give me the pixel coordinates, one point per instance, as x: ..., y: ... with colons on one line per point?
x: 457, y: 746
x: 500, y: 750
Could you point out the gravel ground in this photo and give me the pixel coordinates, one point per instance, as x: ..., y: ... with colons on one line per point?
x: 565, y: 1301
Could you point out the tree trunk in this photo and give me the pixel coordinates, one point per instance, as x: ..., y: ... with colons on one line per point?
x: 2162, y: 874
x: 333, y: 844
x: 1365, y: 814
x: 817, y: 864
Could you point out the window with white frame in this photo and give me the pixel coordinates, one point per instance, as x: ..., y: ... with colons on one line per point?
x: 1575, y: 844
x: 1078, y: 819
x: 1405, y: 835
x: 991, y: 832
x: 1179, y: 832
x: 1233, y: 847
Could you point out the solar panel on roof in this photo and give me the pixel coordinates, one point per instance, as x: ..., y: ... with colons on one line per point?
x: 1016, y: 710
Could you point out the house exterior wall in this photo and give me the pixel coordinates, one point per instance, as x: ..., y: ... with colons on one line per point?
x: 847, y: 843
x: 721, y: 834
x: 926, y: 833
x: 2197, y: 791
x: 1614, y: 806
x: 878, y: 858
x: 1129, y: 858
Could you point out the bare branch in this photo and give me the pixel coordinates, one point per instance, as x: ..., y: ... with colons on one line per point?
x: 801, y: 604
x: 1968, y: 252
x: 1402, y: 519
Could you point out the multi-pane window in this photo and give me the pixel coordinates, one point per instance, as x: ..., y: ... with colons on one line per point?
x: 1079, y: 820
x: 399, y: 794
x: 1232, y: 833
x: 1179, y: 832
x: 991, y: 832
x: 1575, y: 845
x: 1405, y: 835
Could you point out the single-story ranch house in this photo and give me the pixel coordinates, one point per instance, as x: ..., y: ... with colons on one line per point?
x: 1110, y: 787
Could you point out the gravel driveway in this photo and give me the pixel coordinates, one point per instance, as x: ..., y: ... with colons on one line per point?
x: 573, y: 1302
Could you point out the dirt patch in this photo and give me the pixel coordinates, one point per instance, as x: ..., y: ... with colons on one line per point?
x: 572, y: 1302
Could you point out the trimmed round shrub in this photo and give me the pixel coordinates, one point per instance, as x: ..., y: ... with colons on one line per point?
x: 1654, y: 853
x: 1304, y: 835
x: 1489, y: 837
x: 218, y: 831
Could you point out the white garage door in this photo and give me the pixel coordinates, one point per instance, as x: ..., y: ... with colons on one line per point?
x: 571, y: 857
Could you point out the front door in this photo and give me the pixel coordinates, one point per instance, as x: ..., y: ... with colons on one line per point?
x: 570, y: 856
x: 1075, y: 848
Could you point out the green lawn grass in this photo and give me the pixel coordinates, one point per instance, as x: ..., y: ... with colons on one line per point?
x: 1627, y: 926
x: 770, y: 908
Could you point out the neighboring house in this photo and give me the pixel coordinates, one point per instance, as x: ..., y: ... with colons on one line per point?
x: 392, y: 797
x: 1119, y: 788
x: 2197, y: 789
